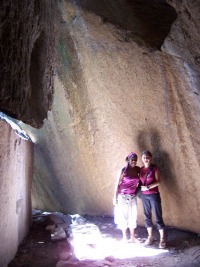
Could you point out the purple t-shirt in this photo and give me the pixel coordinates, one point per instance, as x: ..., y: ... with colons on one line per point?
x: 149, y: 173
x: 129, y: 182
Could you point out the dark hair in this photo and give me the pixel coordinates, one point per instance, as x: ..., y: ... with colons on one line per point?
x: 147, y: 153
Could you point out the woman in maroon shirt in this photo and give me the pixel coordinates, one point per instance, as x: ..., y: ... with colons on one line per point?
x: 150, y: 179
x: 125, y: 199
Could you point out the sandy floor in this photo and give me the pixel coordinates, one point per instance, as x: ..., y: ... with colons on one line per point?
x: 39, y: 250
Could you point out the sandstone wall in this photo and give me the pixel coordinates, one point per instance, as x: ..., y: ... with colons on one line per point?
x: 114, y: 94
x: 16, y: 167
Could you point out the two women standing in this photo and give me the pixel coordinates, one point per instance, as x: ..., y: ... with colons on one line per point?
x: 149, y: 177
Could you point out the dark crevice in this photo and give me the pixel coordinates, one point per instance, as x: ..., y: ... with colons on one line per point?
x: 149, y: 20
x: 37, y: 72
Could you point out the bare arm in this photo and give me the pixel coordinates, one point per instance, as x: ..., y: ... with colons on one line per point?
x: 119, y: 178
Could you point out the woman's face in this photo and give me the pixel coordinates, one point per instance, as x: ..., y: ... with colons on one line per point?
x: 146, y: 159
x: 132, y: 162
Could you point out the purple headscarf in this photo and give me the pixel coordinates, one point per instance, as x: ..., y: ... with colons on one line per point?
x: 131, y: 155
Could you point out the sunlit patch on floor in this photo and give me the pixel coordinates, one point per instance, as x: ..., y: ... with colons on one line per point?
x: 88, y: 243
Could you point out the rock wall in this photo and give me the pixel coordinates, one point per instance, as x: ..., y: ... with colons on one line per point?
x: 185, y: 44
x: 125, y: 80
x: 27, y: 52
x: 27, y: 66
x: 16, y: 169
x: 115, y: 93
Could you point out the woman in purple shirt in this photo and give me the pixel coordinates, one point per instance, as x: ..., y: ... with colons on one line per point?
x: 125, y: 198
x: 150, y: 179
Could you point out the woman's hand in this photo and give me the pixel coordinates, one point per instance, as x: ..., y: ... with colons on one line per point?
x: 144, y: 188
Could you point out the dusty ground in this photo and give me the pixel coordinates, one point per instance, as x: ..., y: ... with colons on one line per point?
x: 38, y: 250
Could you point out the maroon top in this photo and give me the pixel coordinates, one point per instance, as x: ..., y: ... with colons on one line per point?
x: 130, y: 181
x: 148, y: 174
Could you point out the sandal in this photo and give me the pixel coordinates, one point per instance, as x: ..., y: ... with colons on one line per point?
x: 162, y: 244
x: 149, y: 241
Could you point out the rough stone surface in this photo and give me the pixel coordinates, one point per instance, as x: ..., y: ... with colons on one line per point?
x: 16, y: 168
x: 185, y: 44
x: 27, y: 52
x: 146, y: 22
x: 119, y: 95
x: 124, y: 81
x: 107, y: 249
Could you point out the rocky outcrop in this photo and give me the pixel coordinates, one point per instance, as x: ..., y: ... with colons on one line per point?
x: 27, y: 45
x: 15, y: 191
x: 145, y: 22
x: 117, y: 95
x: 27, y: 62
x: 126, y: 79
x: 183, y: 39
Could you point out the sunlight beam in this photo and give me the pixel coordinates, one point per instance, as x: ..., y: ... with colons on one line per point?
x: 89, y: 244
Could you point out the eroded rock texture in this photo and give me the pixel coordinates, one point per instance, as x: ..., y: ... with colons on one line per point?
x: 16, y: 167
x: 27, y: 57
x: 183, y: 40
x: 119, y: 89
x: 146, y: 22
x: 127, y: 79
x: 27, y: 49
